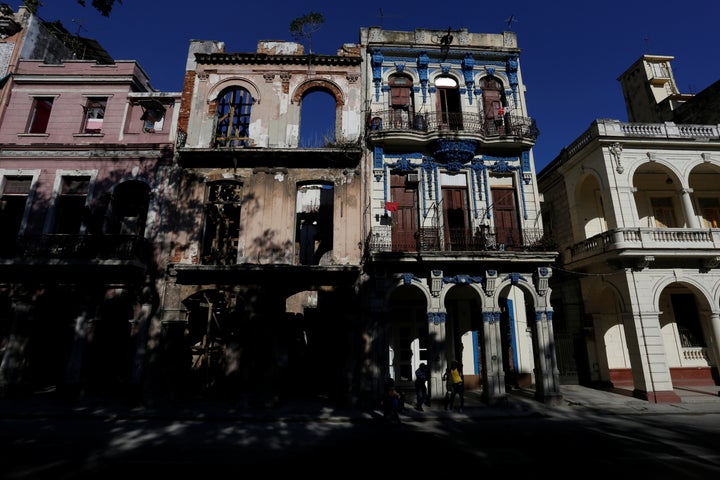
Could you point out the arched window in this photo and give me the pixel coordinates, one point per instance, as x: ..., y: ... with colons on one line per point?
x: 317, y: 119
x: 401, y: 101
x: 494, y: 103
x: 233, y: 118
x: 448, y: 103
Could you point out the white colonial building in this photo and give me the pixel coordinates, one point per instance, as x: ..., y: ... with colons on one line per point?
x: 635, y: 208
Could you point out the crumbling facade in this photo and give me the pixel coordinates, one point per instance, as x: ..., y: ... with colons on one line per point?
x: 266, y: 247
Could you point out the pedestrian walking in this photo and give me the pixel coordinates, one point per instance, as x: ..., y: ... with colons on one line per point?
x: 421, y: 392
x: 391, y: 401
x: 456, y: 384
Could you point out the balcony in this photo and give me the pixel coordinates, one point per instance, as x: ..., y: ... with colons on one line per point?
x: 331, y: 156
x: 436, y: 240
x: 388, y: 126
x: 667, y: 245
x: 75, y: 259
x: 78, y: 247
x: 642, y: 132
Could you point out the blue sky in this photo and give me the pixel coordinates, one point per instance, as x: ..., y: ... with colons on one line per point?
x: 571, y: 52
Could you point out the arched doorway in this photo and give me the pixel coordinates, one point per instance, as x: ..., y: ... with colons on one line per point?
x: 407, y: 333
x: 448, y: 103
x: 464, y: 340
x: 494, y: 103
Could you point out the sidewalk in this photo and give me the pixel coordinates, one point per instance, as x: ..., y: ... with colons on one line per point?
x: 576, y: 399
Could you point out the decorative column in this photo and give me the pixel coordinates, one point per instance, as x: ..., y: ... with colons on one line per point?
x: 646, y: 347
x: 689, y: 210
x: 437, y: 333
x: 493, y: 380
x: 422, y: 65
x: 377, y: 61
x: 547, y: 375
x: 715, y: 333
x: 467, y: 68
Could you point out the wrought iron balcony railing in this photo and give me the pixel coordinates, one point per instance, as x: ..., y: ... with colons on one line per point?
x: 509, y: 125
x: 434, y: 239
x: 78, y: 247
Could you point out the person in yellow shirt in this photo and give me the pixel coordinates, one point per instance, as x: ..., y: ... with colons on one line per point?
x: 457, y: 381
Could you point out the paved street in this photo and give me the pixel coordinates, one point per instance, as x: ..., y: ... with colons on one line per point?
x: 615, y: 435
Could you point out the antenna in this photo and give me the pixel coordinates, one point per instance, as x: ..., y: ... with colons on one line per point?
x: 80, y: 27
x: 510, y: 21
x: 382, y: 16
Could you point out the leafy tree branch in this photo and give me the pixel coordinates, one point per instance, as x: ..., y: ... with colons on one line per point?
x: 304, y: 27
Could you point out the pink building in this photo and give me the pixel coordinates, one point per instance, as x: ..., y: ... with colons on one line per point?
x: 85, y: 151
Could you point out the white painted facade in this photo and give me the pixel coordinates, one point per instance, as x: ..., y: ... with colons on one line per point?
x: 634, y: 209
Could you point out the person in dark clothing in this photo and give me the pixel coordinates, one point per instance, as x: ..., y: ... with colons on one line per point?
x: 421, y: 392
x: 308, y: 235
x: 391, y: 402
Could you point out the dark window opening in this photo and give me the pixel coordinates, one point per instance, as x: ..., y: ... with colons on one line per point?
x: 686, y: 317
x: 222, y: 223
x: 70, y: 207
x: 129, y: 208
x: 40, y: 115
x: 314, y: 220
x: 13, y: 202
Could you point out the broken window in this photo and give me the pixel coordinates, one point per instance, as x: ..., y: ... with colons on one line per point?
x: 153, y: 118
x: 94, y: 115
x: 233, y: 118
x: 314, y: 213
x: 40, y: 114
x: 15, y: 193
x: 222, y: 223
x: 70, y: 206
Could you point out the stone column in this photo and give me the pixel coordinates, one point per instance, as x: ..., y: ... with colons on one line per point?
x: 437, y: 333
x: 715, y: 334
x: 493, y: 373
x: 651, y: 374
x: 547, y: 375
x: 688, y: 208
